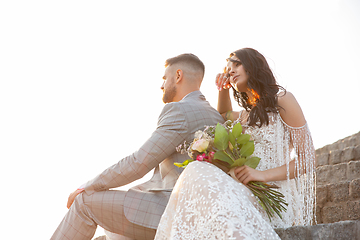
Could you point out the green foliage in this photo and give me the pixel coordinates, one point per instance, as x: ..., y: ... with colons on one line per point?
x: 252, y: 162
x: 237, y: 130
x: 221, y: 140
x: 243, y: 138
x: 247, y: 149
x: 238, y: 162
x: 232, y: 139
x: 221, y: 155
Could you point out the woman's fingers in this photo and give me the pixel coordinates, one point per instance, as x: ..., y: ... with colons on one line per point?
x: 246, y: 174
x: 222, y: 82
x: 241, y: 173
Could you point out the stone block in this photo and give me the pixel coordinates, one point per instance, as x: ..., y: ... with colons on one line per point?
x: 335, y: 156
x: 354, y: 189
x: 334, y: 213
x: 319, y: 151
x: 323, y: 175
x: 322, y: 159
x: 336, y: 146
x: 350, y: 141
x: 321, y: 195
x: 321, y: 231
x: 338, y: 192
x: 357, y: 152
x: 294, y: 233
x: 353, y: 210
x: 353, y: 170
x: 357, y: 136
x: 339, y: 173
x: 340, y: 230
x: 318, y: 214
x: 322, y: 150
x: 348, y: 154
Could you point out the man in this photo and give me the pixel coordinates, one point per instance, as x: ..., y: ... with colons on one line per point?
x: 136, y: 213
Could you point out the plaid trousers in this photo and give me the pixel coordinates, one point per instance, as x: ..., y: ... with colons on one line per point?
x: 137, y: 212
x: 104, y: 208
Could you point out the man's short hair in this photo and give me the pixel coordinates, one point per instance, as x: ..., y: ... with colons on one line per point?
x: 188, y: 59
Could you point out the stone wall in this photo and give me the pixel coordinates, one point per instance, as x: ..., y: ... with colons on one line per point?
x: 338, y: 181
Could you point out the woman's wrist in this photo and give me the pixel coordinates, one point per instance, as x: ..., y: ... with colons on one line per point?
x: 275, y: 174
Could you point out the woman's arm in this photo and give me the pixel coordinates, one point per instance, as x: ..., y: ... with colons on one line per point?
x: 246, y: 174
x: 224, y: 106
x: 293, y: 116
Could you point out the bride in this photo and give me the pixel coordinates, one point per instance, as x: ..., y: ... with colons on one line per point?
x: 206, y: 203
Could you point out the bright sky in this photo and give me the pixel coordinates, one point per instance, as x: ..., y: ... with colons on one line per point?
x: 80, y: 82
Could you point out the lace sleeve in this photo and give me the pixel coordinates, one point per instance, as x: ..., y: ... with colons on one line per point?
x: 303, y: 148
x: 304, y: 156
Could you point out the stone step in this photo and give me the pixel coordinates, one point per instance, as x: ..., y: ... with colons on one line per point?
x: 344, y: 230
x: 338, y: 201
x: 350, y: 141
x: 340, y: 172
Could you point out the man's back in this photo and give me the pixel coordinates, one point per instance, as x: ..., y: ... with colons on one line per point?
x: 178, y: 122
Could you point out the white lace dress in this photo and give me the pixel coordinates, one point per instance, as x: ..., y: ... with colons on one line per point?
x: 206, y: 203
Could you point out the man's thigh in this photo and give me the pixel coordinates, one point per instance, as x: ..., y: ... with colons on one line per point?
x: 107, y: 209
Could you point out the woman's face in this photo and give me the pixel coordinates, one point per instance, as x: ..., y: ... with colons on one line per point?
x: 237, y: 74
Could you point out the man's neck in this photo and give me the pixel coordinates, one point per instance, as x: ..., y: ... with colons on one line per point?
x: 183, y: 94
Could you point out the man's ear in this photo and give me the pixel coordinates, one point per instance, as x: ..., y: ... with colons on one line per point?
x: 179, y: 75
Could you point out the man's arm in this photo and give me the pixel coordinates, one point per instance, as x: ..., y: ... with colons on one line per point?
x: 171, y: 131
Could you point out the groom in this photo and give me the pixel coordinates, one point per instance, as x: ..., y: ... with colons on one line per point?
x: 136, y: 213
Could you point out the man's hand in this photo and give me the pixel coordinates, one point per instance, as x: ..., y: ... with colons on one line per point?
x: 72, y: 197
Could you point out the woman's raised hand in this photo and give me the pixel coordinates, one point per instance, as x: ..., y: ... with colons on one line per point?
x: 222, y: 81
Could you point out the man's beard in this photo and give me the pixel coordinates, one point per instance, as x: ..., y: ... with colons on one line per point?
x: 169, y: 94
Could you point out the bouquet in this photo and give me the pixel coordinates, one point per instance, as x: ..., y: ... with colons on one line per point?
x: 227, y: 147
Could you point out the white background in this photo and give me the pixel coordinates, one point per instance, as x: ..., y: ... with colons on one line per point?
x: 80, y: 83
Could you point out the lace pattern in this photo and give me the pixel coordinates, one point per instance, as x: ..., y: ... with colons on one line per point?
x: 278, y: 144
x: 208, y: 204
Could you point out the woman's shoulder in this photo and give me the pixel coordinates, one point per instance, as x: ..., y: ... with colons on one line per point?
x: 290, y: 110
x: 284, y: 97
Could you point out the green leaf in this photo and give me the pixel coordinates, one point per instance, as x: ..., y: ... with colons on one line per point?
x: 252, y: 162
x: 232, y: 138
x: 238, y: 162
x: 243, y: 138
x: 179, y: 165
x: 237, y: 129
x: 220, y: 155
x: 184, y: 164
x: 221, y: 139
x: 247, y: 149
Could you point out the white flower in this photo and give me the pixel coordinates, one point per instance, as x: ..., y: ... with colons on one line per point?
x: 200, y: 145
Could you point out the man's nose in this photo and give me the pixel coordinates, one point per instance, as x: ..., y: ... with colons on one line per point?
x: 162, y: 86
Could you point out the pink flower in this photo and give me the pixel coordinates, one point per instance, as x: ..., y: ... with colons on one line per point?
x: 201, y: 157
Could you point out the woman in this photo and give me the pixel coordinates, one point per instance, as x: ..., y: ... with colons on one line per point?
x: 208, y: 204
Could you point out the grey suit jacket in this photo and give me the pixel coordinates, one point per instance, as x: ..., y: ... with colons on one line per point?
x: 178, y: 121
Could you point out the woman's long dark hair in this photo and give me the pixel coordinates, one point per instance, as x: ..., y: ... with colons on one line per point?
x: 262, y: 83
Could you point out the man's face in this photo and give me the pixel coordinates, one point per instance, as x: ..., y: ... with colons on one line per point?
x: 169, y: 86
